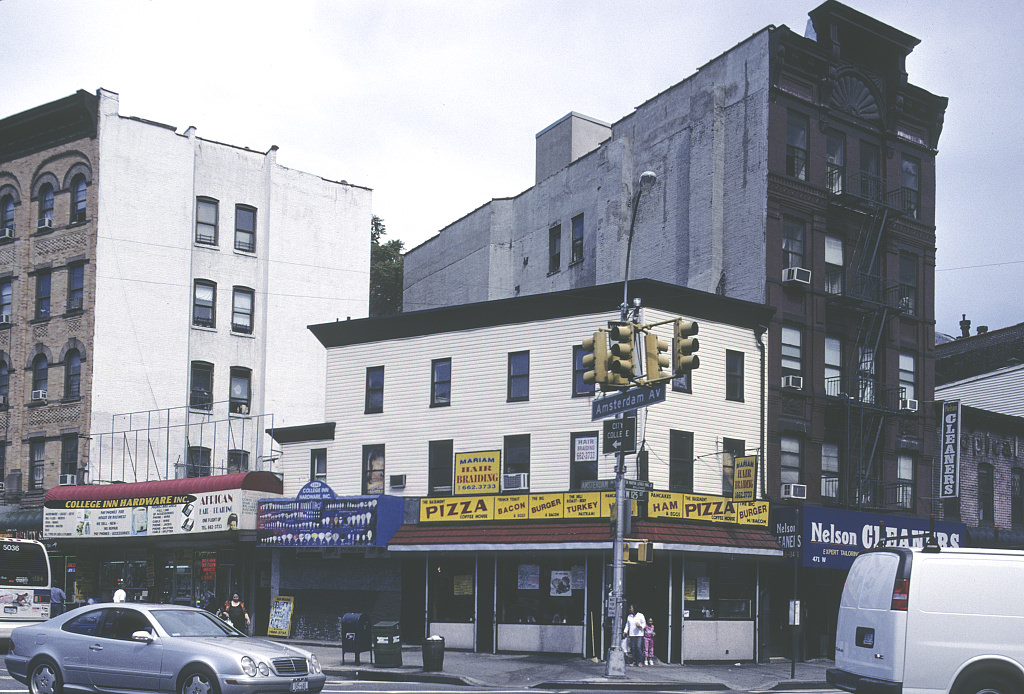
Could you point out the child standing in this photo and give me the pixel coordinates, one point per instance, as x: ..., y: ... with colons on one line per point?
x: 649, y: 642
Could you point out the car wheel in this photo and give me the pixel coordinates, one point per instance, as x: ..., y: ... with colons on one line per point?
x: 44, y: 678
x: 989, y: 683
x: 197, y: 680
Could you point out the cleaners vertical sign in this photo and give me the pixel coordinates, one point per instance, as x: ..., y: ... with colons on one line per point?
x: 949, y: 473
x: 478, y: 472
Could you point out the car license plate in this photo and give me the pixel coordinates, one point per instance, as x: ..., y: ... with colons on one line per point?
x: 300, y: 685
x: 10, y: 609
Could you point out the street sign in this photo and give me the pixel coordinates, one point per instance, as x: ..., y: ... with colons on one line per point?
x: 625, y: 401
x: 597, y: 485
x: 636, y: 490
x: 620, y: 435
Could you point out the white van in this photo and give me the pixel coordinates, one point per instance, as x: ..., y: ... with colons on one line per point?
x: 932, y: 621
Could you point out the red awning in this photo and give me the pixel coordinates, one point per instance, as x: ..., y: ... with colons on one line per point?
x: 257, y: 481
x: 666, y: 535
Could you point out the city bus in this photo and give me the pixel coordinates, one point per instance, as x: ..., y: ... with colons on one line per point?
x: 24, y: 584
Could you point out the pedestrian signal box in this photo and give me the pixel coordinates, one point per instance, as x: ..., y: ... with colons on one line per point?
x: 637, y: 551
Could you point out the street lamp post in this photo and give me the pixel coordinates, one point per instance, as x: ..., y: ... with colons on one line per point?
x: 615, y: 663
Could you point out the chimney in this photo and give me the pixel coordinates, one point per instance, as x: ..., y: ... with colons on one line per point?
x: 982, y: 329
x: 965, y: 326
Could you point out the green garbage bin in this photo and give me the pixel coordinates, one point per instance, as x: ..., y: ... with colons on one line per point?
x: 433, y: 653
x: 387, y: 645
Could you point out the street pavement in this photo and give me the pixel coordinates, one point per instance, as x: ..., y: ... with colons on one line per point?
x: 548, y: 671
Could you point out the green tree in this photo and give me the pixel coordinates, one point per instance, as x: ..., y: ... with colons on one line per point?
x: 385, y: 271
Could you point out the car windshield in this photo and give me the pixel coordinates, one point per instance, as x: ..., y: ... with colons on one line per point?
x: 193, y: 623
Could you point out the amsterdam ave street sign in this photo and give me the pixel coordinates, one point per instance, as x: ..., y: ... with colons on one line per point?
x: 625, y: 401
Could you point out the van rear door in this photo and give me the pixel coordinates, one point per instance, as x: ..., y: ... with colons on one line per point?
x: 871, y: 631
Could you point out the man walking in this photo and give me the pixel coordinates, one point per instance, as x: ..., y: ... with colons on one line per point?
x: 635, y: 625
x: 57, y: 600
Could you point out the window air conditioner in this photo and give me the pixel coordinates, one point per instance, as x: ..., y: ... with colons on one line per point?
x: 397, y: 481
x: 68, y: 480
x: 7, y: 233
x: 794, y: 491
x: 46, y: 223
x: 794, y: 382
x: 39, y: 395
x: 796, y: 275
x: 2, y: 487
x: 519, y: 481
x: 908, y: 405
x: 3, y: 401
x: 5, y: 318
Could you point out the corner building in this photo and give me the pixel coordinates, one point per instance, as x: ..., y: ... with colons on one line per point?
x: 794, y: 171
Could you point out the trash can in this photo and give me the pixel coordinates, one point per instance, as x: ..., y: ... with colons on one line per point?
x: 433, y: 653
x: 355, y: 634
x: 387, y: 645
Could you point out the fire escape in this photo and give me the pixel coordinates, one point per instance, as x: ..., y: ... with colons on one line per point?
x: 861, y: 403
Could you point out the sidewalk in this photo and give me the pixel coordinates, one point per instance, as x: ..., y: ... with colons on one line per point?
x: 557, y: 671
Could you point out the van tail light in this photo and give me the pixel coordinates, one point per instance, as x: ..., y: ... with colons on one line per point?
x: 900, y: 594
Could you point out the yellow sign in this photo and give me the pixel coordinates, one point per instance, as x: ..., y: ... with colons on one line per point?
x: 744, y: 487
x: 511, y: 508
x: 478, y: 472
x: 582, y: 505
x: 546, y: 506
x: 280, y: 622
x: 470, y: 508
x: 716, y: 509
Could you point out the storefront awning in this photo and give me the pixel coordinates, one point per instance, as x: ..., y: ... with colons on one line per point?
x: 256, y: 481
x: 665, y: 535
x: 21, y: 519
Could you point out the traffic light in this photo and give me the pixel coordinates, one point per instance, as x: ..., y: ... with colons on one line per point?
x: 656, y: 358
x: 683, y: 347
x: 622, y: 355
x: 595, y: 361
x: 637, y: 551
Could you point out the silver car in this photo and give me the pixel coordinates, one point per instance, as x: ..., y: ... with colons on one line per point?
x: 121, y: 647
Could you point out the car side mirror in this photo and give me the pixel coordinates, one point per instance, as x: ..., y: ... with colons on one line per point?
x: 142, y: 635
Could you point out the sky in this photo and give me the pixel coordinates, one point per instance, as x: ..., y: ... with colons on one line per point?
x: 435, y: 104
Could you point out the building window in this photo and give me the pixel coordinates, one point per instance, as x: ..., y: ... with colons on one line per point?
x: 583, y: 449
x: 40, y: 373
x: 731, y: 450
x: 835, y: 161
x: 238, y: 461
x: 908, y: 376
x: 866, y: 374
x: 911, y: 180
x: 871, y: 186
x: 5, y: 386
x: 3, y: 461
x: 36, y: 463
x: 373, y: 469
x: 792, y: 242
x: 441, y: 382
x: 577, y: 239
x: 241, y: 310
x: 72, y: 375
x: 198, y: 464
x: 986, y: 496
x: 835, y: 268
x: 517, y: 454
x: 245, y: 228
x: 69, y: 455
x: 206, y: 221
x: 1016, y: 497
x: 78, y: 201
x: 555, y: 248
x: 908, y: 283
x: 833, y: 367
x: 790, y: 460
x: 797, y: 128
x: 46, y: 206
x: 374, y: 390
x: 318, y: 464
x: 830, y: 470
x: 440, y: 467
x: 680, y: 461
x: 43, y: 295
x: 7, y: 213
x: 76, y: 287
x: 580, y: 388
x: 201, y: 393
x: 241, y: 390
x: 6, y: 297
x: 733, y: 375
x: 204, y: 304
x: 792, y: 352
x: 905, y: 475
x: 518, y: 376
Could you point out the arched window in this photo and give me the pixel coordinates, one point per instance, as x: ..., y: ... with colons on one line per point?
x: 5, y: 384
x: 46, y: 206
x: 7, y: 213
x: 78, y: 207
x: 73, y: 374
x: 40, y: 373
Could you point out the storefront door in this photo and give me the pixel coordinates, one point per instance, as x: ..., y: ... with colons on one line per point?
x: 485, y: 617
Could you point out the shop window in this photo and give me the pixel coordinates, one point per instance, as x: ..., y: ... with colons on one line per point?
x: 440, y: 467
x: 373, y: 469
x: 451, y: 589
x: 719, y: 590
x: 535, y: 590
x: 583, y: 450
